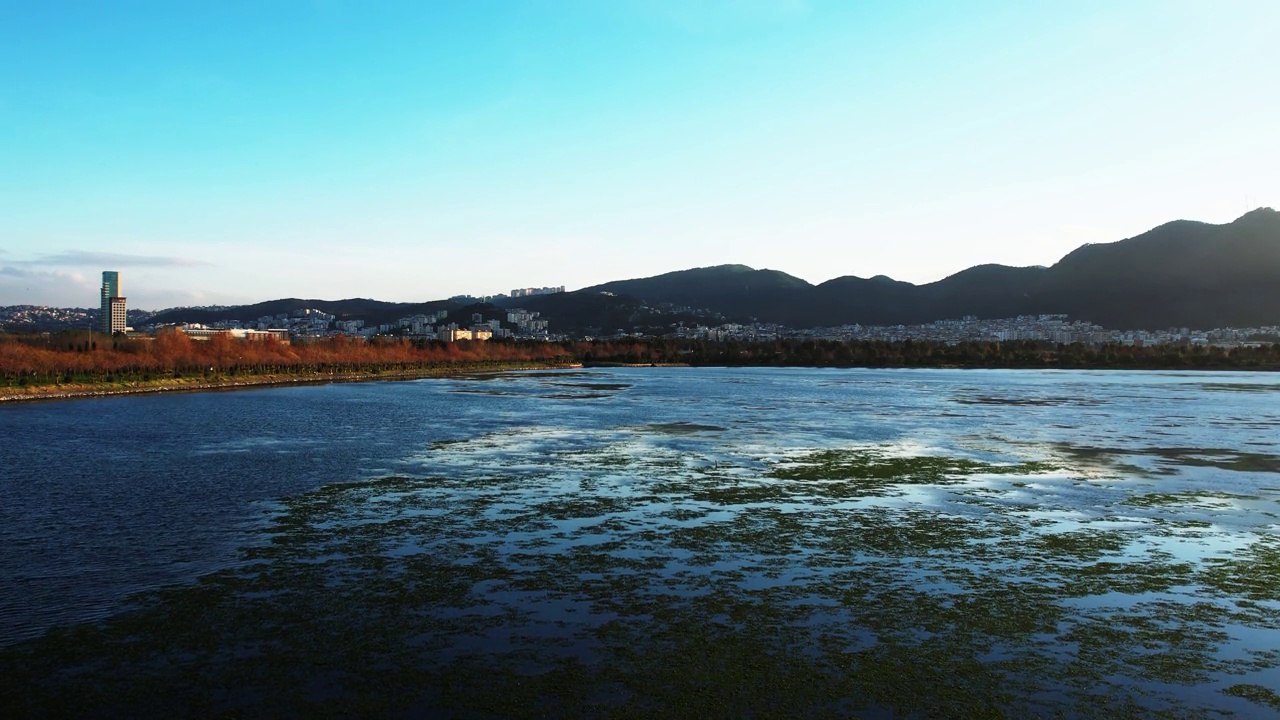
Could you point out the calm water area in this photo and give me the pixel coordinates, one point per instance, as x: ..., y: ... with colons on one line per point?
x: 639, y: 541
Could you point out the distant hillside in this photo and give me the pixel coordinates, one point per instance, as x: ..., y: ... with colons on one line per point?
x: 737, y: 291
x: 371, y: 311
x: 593, y: 312
x: 582, y: 312
x: 1180, y: 274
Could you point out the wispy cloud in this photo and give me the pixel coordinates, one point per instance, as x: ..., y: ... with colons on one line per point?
x: 24, y: 286
x: 78, y: 258
x: 70, y: 288
x: 22, y: 273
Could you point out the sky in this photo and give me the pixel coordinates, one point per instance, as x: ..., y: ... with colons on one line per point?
x: 231, y: 152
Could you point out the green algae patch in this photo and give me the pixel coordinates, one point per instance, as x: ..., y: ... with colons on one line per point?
x: 1201, y: 499
x: 610, y: 580
x: 1255, y: 693
x: 581, y: 508
x: 874, y: 468
x: 1079, y: 546
x: 1253, y: 573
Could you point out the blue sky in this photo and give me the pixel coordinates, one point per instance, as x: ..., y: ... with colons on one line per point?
x: 242, y: 151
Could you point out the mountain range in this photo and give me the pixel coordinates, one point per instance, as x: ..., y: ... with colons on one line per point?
x: 1180, y: 274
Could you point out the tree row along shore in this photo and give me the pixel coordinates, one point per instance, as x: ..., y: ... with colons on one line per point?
x: 71, y: 364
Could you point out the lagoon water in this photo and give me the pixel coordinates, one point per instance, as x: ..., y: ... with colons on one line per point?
x: 603, y: 542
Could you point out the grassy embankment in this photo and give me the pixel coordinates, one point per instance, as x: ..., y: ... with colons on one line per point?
x: 70, y: 366
x: 79, y: 364
x: 217, y: 381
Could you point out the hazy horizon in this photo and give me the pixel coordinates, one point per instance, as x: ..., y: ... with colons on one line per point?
x: 235, y: 154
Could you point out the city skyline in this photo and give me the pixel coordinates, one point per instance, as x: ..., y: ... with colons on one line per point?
x: 235, y: 154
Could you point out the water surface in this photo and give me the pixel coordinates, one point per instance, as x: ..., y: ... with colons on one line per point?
x: 640, y: 540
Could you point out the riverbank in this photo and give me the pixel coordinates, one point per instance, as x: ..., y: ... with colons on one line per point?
x: 601, y: 364
x: 71, y: 391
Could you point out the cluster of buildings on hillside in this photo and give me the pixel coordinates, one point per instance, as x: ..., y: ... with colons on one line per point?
x: 530, y: 292
x: 527, y: 323
x: 308, y: 323
x: 311, y: 323
x: 112, y: 316
x: 750, y: 332
x: 39, y: 317
x: 520, y: 324
x: 516, y: 293
x: 1045, y: 328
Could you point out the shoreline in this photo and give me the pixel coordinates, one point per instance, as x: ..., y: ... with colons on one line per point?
x: 82, y: 391
x: 77, y: 392
x: 606, y: 364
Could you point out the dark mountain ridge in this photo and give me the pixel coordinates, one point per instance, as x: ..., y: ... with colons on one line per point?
x: 1180, y: 274
x: 737, y: 291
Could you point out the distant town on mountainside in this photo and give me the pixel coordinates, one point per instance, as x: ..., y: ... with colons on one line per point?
x: 1182, y: 282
